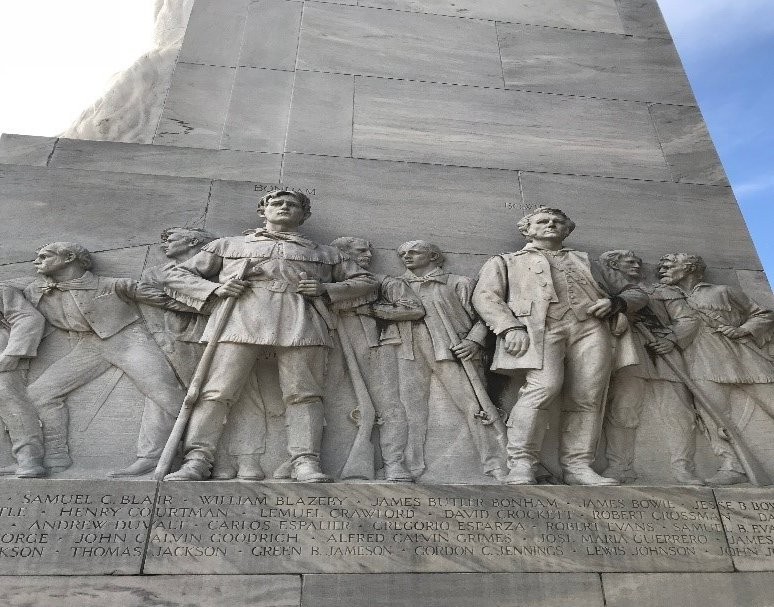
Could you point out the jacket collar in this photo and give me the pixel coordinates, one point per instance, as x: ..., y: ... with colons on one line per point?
x: 262, y: 235
x: 86, y: 282
x: 437, y: 275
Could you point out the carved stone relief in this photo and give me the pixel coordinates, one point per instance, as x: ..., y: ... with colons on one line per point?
x: 292, y: 350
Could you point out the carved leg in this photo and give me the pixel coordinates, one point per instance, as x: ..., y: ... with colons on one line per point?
x: 55, y: 419
x: 577, y: 446
x: 18, y: 415
x: 305, y: 426
x: 526, y: 429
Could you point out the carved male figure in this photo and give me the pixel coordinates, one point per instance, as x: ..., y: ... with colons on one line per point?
x: 650, y: 379
x: 370, y: 323
x: 281, y: 303
x: 550, y: 317
x: 99, y: 313
x: 21, y: 328
x: 429, y: 351
x: 721, y: 332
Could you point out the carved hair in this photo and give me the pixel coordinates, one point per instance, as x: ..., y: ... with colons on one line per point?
x: 300, y: 197
x: 423, y: 245
x: 345, y: 243
x: 523, y: 224
x: 695, y: 261
x: 80, y: 254
x: 608, y: 257
x: 201, y: 235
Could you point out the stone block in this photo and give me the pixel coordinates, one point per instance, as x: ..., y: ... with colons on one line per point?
x: 453, y: 590
x: 597, y: 15
x: 643, y: 18
x: 757, y: 286
x: 214, y: 32
x: 357, y: 40
x: 153, y: 591
x: 748, y: 518
x: 687, y: 145
x: 592, y: 64
x: 689, y: 590
x: 434, y: 123
x: 321, y: 114
x: 24, y: 149
x: 258, y: 113
x: 649, y: 217
x: 74, y: 527
x: 100, y: 210
x: 239, y: 528
x: 166, y: 160
x: 196, y: 106
x: 271, y: 34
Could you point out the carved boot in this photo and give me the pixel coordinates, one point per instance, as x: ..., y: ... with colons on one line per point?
x: 393, y: 436
x: 140, y: 466
x: 304, y: 428
x: 284, y: 471
x: 686, y: 476
x: 526, y: 428
x: 249, y: 467
x: 55, y: 419
x: 191, y: 470
x: 620, y: 453
x: 577, y: 444
x: 29, y: 464
x: 724, y: 478
x: 224, y: 468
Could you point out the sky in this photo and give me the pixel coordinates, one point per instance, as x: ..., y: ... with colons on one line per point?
x: 50, y: 74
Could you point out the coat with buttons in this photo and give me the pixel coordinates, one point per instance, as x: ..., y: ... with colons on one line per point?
x: 516, y: 289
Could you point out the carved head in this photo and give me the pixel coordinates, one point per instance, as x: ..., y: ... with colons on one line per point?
x: 545, y: 223
x: 176, y: 242
x: 358, y: 250
x: 285, y: 207
x: 56, y: 256
x: 419, y: 254
x: 623, y: 261
x: 673, y: 268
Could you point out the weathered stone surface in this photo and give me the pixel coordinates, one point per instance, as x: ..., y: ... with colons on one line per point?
x: 321, y: 114
x: 705, y: 589
x: 397, y: 120
x: 214, y: 33
x: 453, y: 590
x: 757, y: 286
x: 748, y: 518
x: 642, y: 18
x: 70, y: 527
x: 382, y: 528
x: 598, y: 15
x: 59, y: 204
x: 366, y: 41
x: 687, y: 145
x: 664, y: 213
x: 196, y: 106
x: 592, y: 64
x: 271, y: 34
x: 258, y: 113
x: 153, y: 591
x: 166, y: 160
x: 24, y: 149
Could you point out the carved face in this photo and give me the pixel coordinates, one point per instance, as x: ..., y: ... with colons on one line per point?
x: 417, y: 259
x: 671, y: 272
x: 361, y: 253
x: 49, y: 261
x: 176, y: 244
x: 546, y: 226
x: 284, y: 211
x: 629, y: 266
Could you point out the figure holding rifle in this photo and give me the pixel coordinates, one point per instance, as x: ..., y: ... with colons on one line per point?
x: 287, y: 279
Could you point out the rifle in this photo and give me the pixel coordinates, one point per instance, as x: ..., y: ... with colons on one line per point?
x: 727, y: 429
x: 199, y: 377
x: 488, y: 413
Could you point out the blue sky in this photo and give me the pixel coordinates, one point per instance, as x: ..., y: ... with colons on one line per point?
x: 727, y: 48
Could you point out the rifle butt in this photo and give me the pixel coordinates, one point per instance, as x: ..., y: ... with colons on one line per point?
x: 170, y: 449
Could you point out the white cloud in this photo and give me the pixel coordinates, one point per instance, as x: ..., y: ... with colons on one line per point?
x: 754, y: 186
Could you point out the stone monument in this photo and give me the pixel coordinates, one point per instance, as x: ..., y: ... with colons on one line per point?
x: 498, y: 384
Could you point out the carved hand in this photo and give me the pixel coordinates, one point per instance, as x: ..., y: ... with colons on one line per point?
x: 661, y: 346
x: 231, y: 288
x: 466, y: 349
x: 311, y: 287
x: 600, y: 308
x: 516, y: 342
x: 733, y: 332
x: 8, y: 363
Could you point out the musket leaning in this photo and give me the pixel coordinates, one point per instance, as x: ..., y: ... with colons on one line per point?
x: 199, y: 377
x: 752, y: 468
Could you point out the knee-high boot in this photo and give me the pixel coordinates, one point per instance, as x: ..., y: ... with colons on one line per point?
x: 304, y: 423
x: 577, y: 445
